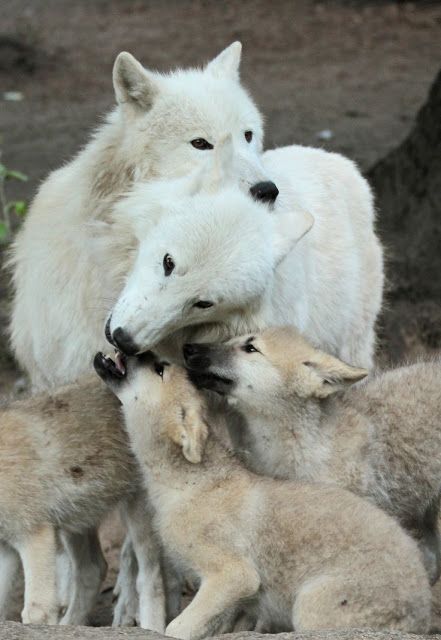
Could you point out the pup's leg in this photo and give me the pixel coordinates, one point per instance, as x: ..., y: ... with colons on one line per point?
x: 217, y: 594
x: 9, y: 568
x: 38, y: 554
x: 125, y: 613
x: 149, y: 583
x: 88, y: 567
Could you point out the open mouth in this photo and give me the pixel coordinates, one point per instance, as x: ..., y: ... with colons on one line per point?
x: 210, y: 381
x: 108, y: 367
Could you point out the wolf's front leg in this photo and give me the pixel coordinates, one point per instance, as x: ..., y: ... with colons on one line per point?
x: 9, y: 568
x: 125, y: 613
x: 149, y: 581
x: 88, y: 570
x: 218, y: 593
x: 38, y: 554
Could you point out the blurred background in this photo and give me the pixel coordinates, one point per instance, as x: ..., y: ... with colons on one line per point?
x: 347, y: 76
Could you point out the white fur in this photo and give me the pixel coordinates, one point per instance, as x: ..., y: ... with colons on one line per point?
x: 239, y: 255
x: 58, y: 283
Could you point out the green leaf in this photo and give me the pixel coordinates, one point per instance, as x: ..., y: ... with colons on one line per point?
x: 17, y: 175
x: 3, y: 170
x: 3, y: 231
x: 20, y: 207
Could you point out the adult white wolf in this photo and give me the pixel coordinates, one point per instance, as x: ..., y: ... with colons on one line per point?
x: 164, y: 126
x: 209, y: 265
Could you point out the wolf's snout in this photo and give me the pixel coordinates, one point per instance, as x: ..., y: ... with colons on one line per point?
x: 108, y: 332
x: 196, y: 356
x: 265, y: 191
x: 124, y: 341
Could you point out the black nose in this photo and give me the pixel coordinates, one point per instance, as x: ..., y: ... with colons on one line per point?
x: 196, y: 356
x: 107, y: 331
x: 265, y: 191
x: 124, y: 342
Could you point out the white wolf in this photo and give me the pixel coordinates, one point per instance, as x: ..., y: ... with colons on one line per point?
x: 164, y: 126
x: 209, y: 263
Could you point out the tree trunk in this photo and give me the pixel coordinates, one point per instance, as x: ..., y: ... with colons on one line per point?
x: 407, y: 185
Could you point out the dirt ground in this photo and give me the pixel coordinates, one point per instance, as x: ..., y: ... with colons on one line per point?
x: 358, y: 69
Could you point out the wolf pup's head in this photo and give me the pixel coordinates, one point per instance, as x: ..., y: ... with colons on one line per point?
x: 172, y: 122
x: 268, y: 371
x: 209, y: 261
x: 157, y: 396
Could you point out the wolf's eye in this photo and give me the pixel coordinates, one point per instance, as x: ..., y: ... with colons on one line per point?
x: 159, y: 368
x: 203, y: 304
x: 201, y: 144
x: 168, y: 264
x: 249, y: 348
x: 248, y: 136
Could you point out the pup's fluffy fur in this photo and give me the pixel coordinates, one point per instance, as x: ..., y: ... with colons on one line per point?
x: 64, y: 464
x: 381, y: 439
x: 302, y: 556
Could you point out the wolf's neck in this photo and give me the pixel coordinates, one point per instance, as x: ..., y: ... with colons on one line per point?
x: 291, y: 442
x: 171, y: 478
x: 110, y: 166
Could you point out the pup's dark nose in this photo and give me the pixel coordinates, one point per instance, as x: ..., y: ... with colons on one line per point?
x: 124, y: 342
x: 265, y: 191
x: 196, y: 356
x: 108, y: 332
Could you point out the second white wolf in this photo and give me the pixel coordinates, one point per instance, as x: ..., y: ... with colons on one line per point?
x: 297, y: 555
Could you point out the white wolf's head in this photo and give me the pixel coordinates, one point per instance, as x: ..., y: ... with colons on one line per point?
x: 210, y: 258
x: 173, y: 122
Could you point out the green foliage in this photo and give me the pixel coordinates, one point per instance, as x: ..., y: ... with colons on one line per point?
x: 9, y: 207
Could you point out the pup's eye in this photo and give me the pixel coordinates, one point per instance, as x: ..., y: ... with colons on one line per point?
x: 159, y: 368
x: 249, y: 348
x: 201, y: 144
x: 248, y: 136
x: 203, y: 304
x: 168, y: 264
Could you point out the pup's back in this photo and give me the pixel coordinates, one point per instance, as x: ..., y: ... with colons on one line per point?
x: 404, y: 404
x: 64, y: 459
x: 361, y: 567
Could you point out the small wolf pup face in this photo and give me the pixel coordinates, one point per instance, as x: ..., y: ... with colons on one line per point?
x: 212, y: 259
x: 174, y: 122
x: 259, y: 371
x: 159, y: 396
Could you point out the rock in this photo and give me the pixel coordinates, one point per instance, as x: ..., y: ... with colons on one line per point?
x: 407, y: 185
x: 17, y: 631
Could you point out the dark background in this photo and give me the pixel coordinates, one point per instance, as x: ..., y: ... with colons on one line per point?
x: 360, y: 69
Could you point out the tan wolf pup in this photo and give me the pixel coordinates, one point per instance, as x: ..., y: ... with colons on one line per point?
x: 65, y: 462
x: 299, y: 556
x: 380, y: 439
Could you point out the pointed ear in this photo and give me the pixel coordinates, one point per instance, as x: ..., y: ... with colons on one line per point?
x: 329, y: 375
x: 289, y: 229
x: 133, y: 84
x: 226, y: 64
x: 190, y: 433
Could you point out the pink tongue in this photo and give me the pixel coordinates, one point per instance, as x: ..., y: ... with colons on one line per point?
x: 119, y: 363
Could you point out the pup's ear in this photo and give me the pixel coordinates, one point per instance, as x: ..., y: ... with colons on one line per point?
x: 289, y: 229
x: 227, y: 63
x: 327, y: 375
x: 133, y: 84
x: 190, y: 433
